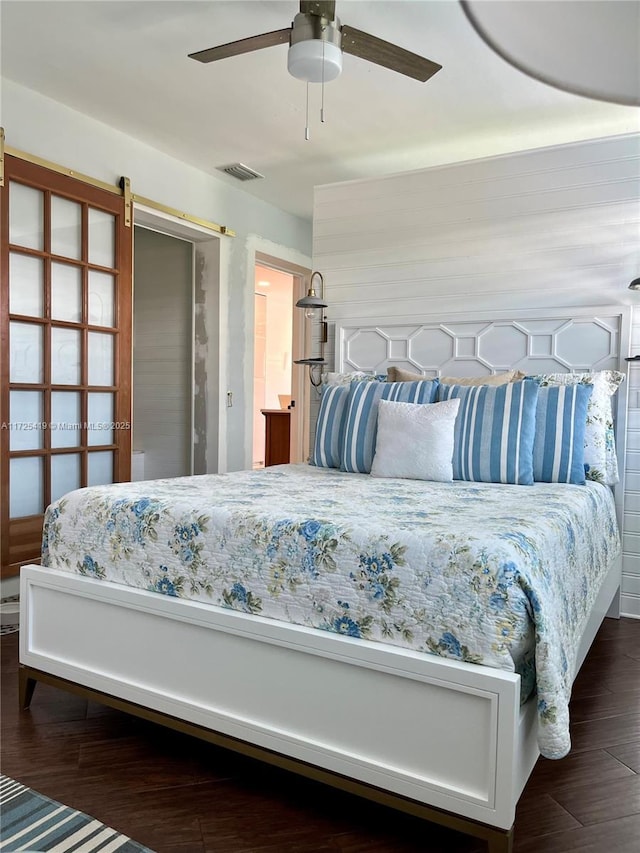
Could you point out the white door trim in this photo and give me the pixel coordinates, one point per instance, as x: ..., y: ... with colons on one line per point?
x: 203, y: 240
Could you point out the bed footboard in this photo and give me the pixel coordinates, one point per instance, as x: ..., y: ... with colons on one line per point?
x: 498, y: 840
x: 438, y: 733
x: 440, y: 739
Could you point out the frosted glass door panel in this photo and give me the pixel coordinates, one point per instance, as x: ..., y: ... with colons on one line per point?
x: 66, y: 293
x: 66, y: 228
x: 26, y: 490
x: 100, y: 359
x: 65, y: 474
x: 101, y: 291
x: 26, y: 416
x: 65, y: 356
x: 25, y: 285
x: 26, y: 216
x: 102, y: 242
x: 65, y: 418
x: 100, y: 471
x: 25, y: 352
x: 67, y: 319
x: 100, y: 416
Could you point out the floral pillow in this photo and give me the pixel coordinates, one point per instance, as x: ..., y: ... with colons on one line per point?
x: 600, y: 460
x: 348, y: 378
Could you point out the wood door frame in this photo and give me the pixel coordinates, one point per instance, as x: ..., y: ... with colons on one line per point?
x: 24, y: 532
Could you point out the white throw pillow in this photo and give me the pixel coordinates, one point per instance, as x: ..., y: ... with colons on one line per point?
x: 415, y: 440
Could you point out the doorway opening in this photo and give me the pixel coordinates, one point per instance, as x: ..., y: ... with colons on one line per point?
x: 181, y: 429
x: 162, y: 356
x: 273, y: 359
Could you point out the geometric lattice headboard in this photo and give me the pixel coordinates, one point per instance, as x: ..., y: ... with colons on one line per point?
x: 536, y: 342
x: 540, y: 341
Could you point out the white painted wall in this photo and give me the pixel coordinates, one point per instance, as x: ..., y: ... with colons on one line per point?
x: 48, y: 129
x: 552, y: 227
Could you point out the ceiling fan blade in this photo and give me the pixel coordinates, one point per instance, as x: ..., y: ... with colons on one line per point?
x: 322, y: 8
x: 233, y: 48
x: 390, y: 55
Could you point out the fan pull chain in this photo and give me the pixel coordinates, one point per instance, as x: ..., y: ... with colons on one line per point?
x: 307, y: 134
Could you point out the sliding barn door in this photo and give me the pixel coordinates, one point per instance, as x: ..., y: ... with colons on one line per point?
x: 65, y: 407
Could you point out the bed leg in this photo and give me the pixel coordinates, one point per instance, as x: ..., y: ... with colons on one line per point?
x: 500, y: 842
x: 26, y: 686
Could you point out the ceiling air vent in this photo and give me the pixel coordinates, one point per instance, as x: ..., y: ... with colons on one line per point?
x: 241, y: 172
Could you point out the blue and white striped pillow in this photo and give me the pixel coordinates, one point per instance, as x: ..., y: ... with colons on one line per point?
x: 361, y: 424
x: 558, y: 447
x: 327, y: 446
x: 494, y: 432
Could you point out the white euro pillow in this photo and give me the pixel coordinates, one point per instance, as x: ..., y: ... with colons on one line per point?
x: 415, y: 441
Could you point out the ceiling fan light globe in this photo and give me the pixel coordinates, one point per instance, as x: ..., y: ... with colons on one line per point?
x: 306, y: 58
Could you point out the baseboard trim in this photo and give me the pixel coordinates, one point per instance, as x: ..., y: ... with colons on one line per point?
x: 630, y: 605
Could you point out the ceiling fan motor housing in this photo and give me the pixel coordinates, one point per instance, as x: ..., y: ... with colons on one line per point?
x: 315, y: 52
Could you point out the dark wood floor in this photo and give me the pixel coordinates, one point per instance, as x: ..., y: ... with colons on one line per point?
x: 178, y: 795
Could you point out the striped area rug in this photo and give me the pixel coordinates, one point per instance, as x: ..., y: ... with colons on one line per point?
x: 32, y: 823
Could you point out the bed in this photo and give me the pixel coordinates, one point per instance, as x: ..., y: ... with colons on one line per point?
x: 381, y: 634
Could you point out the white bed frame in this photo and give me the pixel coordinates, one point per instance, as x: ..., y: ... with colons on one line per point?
x: 441, y: 739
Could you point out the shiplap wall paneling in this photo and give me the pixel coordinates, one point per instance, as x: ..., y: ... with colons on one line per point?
x: 552, y: 227
x: 631, y: 536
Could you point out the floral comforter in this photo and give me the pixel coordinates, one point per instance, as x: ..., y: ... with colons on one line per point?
x: 498, y: 575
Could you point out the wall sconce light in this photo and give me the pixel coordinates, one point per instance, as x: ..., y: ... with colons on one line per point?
x: 314, y: 305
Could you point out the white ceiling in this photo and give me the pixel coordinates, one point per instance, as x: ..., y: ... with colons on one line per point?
x: 125, y: 63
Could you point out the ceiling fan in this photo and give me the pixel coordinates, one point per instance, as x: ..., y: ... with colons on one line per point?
x: 317, y: 41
